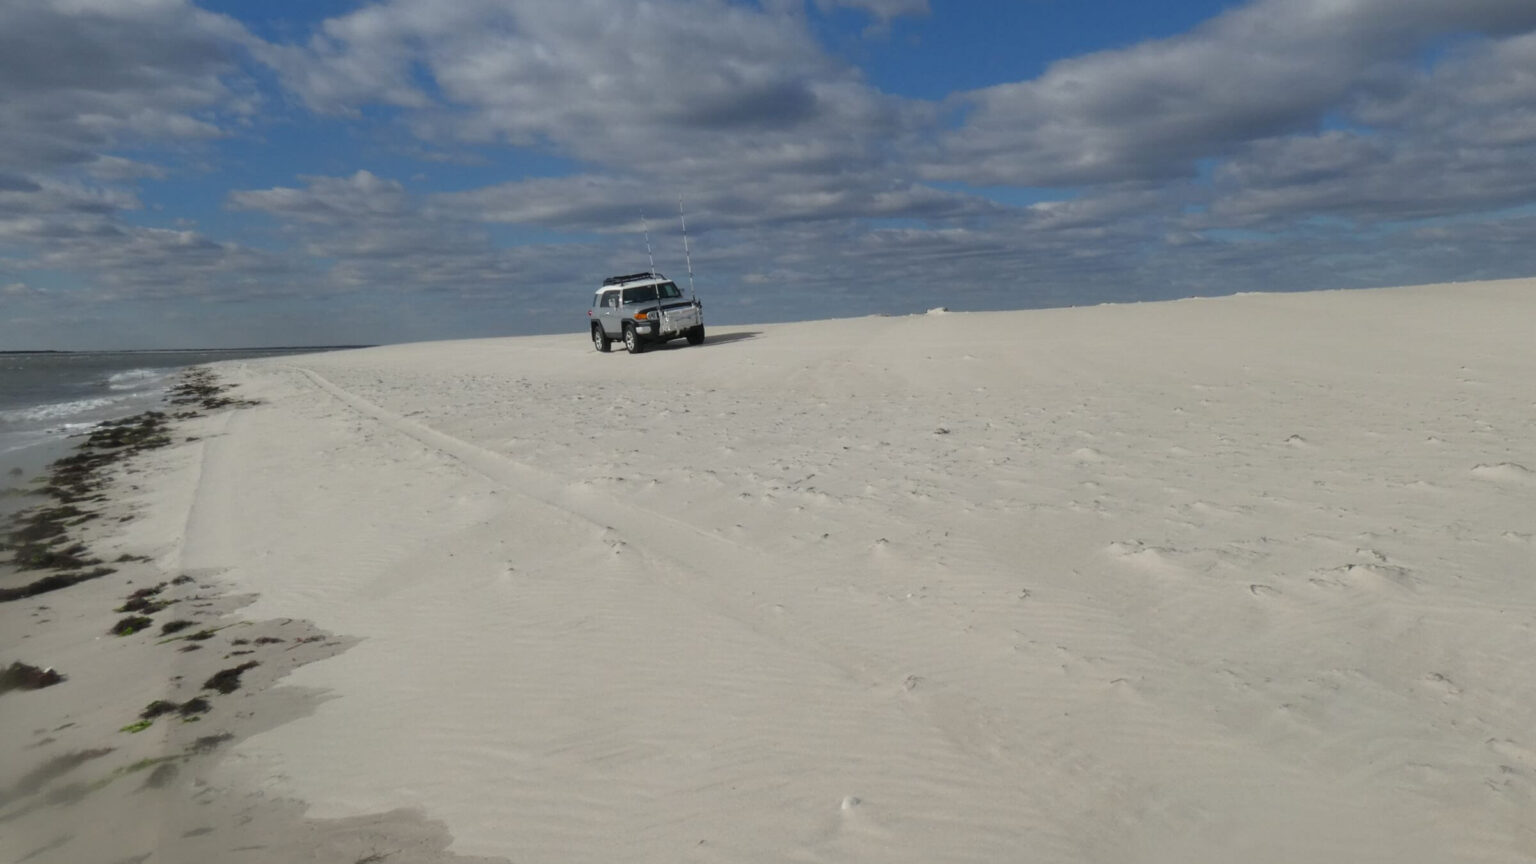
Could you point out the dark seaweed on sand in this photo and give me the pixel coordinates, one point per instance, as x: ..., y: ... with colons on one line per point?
x: 39, y: 539
x: 23, y: 676
x: 145, y: 600
x: 199, y: 387
x: 189, y: 708
x: 131, y: 625
x: 228, y: 680
x: 156, y: 708
x: 52, y: 583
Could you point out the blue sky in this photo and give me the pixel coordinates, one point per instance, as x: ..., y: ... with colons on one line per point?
x: 226, y: 173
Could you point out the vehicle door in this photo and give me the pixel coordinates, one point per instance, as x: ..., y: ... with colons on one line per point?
x: 608, y: 313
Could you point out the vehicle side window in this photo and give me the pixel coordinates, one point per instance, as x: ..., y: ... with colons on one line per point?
x: 611, y: 299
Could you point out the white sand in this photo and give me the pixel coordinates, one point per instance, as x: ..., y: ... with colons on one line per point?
x: 1240, y: 579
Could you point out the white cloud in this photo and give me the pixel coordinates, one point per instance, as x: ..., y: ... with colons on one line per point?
x: 1151, y: 111
x: 331, y: 200
x: 885, y: 10
x: 680, y: 85
x: 78, y: 79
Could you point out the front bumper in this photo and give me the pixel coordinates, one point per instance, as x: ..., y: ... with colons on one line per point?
x: 674, y: 322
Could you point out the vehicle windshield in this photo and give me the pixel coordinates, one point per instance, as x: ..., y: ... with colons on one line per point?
x: 648, y: 293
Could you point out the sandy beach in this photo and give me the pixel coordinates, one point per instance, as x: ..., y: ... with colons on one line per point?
x: 1247, y: 578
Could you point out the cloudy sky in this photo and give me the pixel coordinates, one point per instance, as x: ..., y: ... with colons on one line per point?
x: 224, y: 173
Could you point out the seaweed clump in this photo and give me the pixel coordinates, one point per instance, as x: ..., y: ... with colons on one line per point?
x: 200, y: 388
x: 145, y: 600
x: 131, y: 625
x: 24, y: 676
x: 227, y: 681
x: 52, y: 582
x: 40, y: 538
x: 189, y: 708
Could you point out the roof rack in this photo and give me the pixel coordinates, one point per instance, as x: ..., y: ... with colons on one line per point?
x: 619, y: 280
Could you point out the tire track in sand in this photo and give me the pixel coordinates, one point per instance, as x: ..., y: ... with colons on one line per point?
x: 850, y: 690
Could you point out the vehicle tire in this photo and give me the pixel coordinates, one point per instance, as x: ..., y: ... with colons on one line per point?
x: 632, y: 342
x: 696, y: 335
x: 600, y: 340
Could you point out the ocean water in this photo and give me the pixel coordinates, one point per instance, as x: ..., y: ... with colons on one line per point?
x: 49, y: 398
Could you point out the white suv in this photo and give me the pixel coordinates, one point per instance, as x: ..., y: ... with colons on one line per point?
x: 643, y: 309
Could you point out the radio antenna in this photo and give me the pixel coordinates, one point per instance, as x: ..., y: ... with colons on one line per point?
x: 648, y: 255
x: 686, y: 254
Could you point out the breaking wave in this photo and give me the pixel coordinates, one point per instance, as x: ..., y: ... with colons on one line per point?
x: 136, y: 379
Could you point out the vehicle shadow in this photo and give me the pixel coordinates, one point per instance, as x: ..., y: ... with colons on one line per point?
x: 711, y: 338
x: 739, y: 335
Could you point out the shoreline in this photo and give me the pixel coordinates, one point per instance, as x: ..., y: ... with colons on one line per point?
x: 170, y: 658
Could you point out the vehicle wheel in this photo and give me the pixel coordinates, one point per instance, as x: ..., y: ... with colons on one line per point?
x: 696, y: 335
x: 600, y: 340
x: 632, y: 342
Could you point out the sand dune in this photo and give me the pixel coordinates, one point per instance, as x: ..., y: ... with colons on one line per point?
x: 1236, y: 579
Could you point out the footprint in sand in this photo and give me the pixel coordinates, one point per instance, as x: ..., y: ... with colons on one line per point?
x: 1370, y: 577
x: 1504, y: 472
x: 1513, y: 751
x: 1152, y: 559
x: 1442, y: 683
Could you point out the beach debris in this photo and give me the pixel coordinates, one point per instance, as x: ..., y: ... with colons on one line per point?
x: 131, y: 625
x: 24, y: 676
x: 227, y: 681
x: 177, y: 626
x: 157, y: 708
x: 145, y: 600
x: 200, y: 387
x: 52, y: 583
x: 41, y: 556
x: 189, y: 708
x: 195, y: 705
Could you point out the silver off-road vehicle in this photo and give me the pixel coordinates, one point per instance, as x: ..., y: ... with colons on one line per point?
x: 643, y: 309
